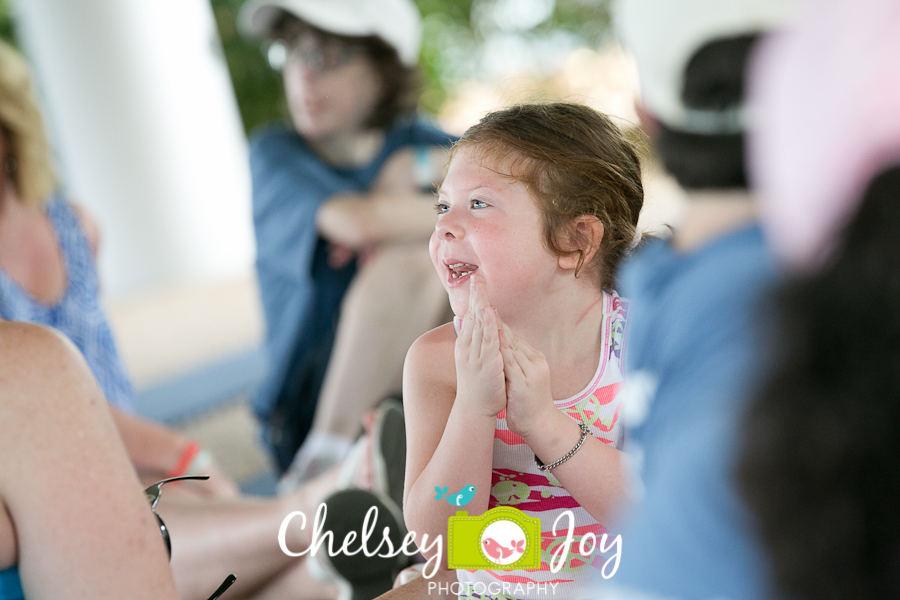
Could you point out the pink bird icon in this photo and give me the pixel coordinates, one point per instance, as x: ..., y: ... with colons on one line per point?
x: 499, y: 552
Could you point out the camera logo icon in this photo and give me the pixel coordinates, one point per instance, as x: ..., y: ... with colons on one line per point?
x: 503, y: 538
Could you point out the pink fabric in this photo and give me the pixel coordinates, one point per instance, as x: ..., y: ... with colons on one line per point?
x: 517, y: 481
x: 826, y: 99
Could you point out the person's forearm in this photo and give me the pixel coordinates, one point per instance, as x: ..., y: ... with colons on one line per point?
x: 593, y: 476
x: 462, y: 458
x: 359, y: 220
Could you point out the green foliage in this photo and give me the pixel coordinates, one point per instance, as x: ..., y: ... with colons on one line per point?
x: 455, y: 33
x: 454, y: 37
x: 589, y: 20
x: 6, y: 25
x: 258, y: 88
x: 446, y: 24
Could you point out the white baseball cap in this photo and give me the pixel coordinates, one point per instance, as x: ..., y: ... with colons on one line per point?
x: 397, y: 22
x: 664, y: 35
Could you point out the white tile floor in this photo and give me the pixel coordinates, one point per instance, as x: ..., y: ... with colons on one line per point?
x: 231, y: 433
x: 169, y: 333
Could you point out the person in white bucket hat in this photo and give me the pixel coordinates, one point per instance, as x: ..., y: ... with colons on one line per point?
x: 343, y: 210
x: 694, y: 347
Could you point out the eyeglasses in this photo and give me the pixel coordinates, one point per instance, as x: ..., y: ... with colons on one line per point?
x: 153, y: 493
x: 317, y: 56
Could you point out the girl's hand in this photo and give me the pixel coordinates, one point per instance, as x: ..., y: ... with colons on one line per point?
x: 529, y: 401
x: 480, y: 383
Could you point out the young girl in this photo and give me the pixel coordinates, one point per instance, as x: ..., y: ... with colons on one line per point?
x: 539, y: 205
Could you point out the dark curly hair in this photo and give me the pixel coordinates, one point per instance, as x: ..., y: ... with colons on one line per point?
x: 820, y: 462
x: 575, y: 161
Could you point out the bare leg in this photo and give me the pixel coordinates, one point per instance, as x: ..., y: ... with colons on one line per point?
x: 69, y: 460
x: 211, y: 539
x: 82, y: 528
x: 394, y: 299
x: 296, y: 577
x: 418, y: 588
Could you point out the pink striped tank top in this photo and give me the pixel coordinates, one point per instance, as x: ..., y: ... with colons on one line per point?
x: 517, y: 482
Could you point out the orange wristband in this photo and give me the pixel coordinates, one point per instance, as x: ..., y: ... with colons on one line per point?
x: 187, y: 455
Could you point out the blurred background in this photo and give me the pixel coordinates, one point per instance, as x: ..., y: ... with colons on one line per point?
x: 148, y: 104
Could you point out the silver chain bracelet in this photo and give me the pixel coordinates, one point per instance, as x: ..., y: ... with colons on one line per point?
x: 584, y: 433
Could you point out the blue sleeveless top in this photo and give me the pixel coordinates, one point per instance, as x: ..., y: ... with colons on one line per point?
x: 11, y: 585
x: 78, y: 315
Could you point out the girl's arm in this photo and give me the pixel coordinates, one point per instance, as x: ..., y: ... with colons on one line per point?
x: 450, y: 418
x: 594, y: 475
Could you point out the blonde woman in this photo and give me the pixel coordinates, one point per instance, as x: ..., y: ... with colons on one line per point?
x: 47, y: 275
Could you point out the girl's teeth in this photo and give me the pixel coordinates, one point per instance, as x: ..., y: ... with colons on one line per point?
x: 460, y: 265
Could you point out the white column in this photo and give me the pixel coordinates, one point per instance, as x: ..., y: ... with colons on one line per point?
x: 142, y: 115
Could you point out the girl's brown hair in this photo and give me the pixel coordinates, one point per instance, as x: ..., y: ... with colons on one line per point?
x: 575, y: 161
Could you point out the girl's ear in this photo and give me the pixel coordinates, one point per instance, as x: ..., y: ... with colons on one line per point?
x: 585, y: 236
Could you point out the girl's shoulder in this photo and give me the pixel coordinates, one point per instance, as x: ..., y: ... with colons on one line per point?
x: 442, y: 334
x: 430, y: 360
x: 434, y: 347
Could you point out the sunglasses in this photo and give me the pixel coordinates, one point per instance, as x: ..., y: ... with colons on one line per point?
x: 153, y: 493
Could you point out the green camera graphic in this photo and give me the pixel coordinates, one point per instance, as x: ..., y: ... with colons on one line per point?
x: 503, y: 538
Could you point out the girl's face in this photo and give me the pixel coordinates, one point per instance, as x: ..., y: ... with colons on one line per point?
x: 489, y: 223
x: 331, y: 88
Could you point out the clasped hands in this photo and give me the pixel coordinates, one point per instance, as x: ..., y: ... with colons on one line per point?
x: 495, y: 369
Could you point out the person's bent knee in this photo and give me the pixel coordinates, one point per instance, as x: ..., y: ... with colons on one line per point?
x: 35, y: 358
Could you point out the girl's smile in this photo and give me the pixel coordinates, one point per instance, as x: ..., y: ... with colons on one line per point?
x: 459, y: 271
x: 488, y: 223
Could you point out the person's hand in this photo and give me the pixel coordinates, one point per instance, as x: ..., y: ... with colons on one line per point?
x: 339, y: 255
x: 397, y: 173
x: 479, y: 366
x: 527, y: 383
x: 402, y: 171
